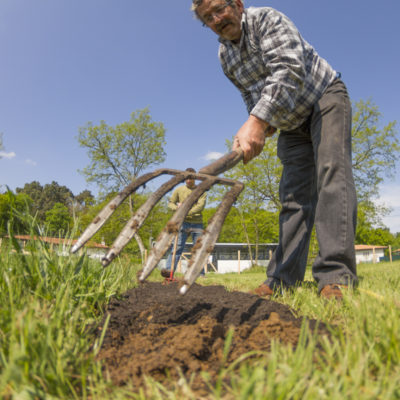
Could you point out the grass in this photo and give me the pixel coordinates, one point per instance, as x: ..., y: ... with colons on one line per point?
x: 48, y: 305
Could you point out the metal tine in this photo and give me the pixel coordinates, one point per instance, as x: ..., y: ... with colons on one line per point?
x: 205, y: 244
x: 137, y: 220
x: 108, y: 210
x: 166, y: 236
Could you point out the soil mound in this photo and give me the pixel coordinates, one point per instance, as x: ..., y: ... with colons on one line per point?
x: 155, y: 331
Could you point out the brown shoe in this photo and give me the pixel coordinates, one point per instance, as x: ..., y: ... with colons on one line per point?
x: 333, y: 291
x: 165, y: 273
x: 263, y: 290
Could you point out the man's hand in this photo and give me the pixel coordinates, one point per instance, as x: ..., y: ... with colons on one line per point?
x: 251, y: 137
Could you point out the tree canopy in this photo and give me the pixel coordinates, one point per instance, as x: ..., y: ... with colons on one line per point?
x: 11, y: 206
x: 58, y: 220
x: 376, y: 149
x: 120, y: 153
x: 45, y: 197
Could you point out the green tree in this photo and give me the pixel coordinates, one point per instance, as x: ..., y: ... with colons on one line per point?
x: 45, y: 197
x: 119, y: 154
x: 396, y: 242
x: 375, y: 149
x: 85, y: 198
x: 11, y: 206
x: 58, y: 220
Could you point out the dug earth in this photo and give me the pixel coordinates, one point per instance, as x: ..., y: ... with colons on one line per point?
x: 154, y: 331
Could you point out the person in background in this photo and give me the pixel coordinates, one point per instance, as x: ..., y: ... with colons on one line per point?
x: 286, y: 85
x: 192, y: 225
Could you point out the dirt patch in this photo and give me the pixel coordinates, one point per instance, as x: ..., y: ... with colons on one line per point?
x: 155, y: 331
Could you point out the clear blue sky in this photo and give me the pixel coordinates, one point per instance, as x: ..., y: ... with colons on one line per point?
x: 67, y: 62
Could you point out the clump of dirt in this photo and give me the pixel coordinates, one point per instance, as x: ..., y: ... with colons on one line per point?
x: 155, y: 331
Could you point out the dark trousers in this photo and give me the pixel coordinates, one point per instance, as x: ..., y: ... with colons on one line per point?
x: 187, y: 229
x: 317, y: 186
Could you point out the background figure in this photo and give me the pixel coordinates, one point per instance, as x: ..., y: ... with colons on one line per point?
x: 192, y: 225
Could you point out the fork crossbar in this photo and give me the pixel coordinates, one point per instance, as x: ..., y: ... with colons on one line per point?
x: 204, y: 245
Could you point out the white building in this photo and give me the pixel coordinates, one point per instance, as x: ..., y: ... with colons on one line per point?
x: 369, y: 254
x: 228, y: 257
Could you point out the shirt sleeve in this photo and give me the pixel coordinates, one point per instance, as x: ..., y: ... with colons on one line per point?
x: 174, y: 199
x: 199, y: 205
x: 283, y: 53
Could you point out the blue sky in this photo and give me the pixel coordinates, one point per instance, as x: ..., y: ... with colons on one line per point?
x: 67, y: 62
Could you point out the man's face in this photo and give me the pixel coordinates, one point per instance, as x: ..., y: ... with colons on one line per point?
x: 190, y: 183
x: 224, y: 20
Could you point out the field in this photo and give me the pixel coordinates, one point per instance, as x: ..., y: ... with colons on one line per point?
x: 61, y: 320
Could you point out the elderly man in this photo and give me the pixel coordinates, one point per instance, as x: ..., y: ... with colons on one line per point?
x: 286, y: 85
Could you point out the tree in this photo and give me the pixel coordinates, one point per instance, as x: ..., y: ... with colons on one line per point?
x: 375, y: 149
x: 58, y: 220
x: 85, y: 198
x: 119, y: 154
x: 11, y: 207
x: 45, y: 197
x: 396, y: 241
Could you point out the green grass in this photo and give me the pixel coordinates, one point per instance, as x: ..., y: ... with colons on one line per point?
x: 49, y: 305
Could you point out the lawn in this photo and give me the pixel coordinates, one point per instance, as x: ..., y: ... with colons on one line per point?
x: 49, y: 306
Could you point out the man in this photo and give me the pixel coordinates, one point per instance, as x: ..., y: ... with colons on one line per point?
x: 192, y: 225
x: 287, y: 86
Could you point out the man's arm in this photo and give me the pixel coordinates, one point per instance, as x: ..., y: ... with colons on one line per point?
x: 199, y: 205
x: 285, y: 53
x: 174, y: 200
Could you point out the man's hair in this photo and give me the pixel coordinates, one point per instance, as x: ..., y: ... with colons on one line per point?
x: 190, y: 170
x: 197, y: 3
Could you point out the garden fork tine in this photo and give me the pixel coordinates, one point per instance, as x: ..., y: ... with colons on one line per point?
x: 208, y: 177
x: 209, y: 174
x: 109, y: 209
x: 165, y: 238
x: 205, y: 244
x: 137, y: 220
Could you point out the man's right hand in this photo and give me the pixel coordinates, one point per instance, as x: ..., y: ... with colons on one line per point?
x: 251, y: 137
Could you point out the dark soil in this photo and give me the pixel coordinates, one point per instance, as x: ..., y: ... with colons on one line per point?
x: 155, y: 331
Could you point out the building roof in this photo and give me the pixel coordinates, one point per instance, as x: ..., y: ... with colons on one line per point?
x: 368, y: 247
x: 239, y: 244
x: 53, y: 240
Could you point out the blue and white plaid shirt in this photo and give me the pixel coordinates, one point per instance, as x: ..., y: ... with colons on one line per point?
x: 279, y: 74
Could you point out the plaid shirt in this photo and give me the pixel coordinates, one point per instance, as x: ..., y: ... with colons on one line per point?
x: 279, y: 74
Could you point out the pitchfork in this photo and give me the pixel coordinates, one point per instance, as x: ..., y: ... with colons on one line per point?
x: 205, y: 243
